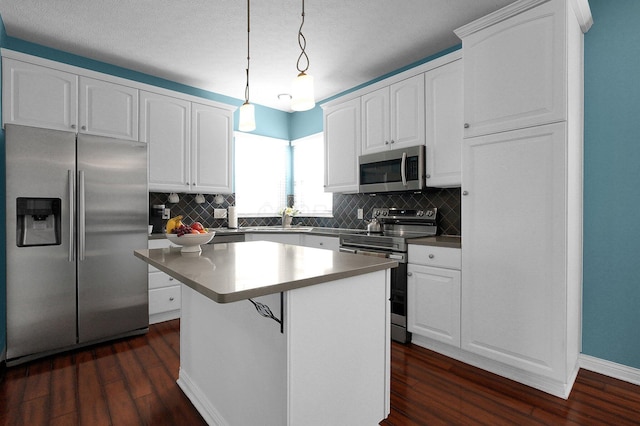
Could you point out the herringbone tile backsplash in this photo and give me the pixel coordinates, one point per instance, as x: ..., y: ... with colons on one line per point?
x: 345, y: 209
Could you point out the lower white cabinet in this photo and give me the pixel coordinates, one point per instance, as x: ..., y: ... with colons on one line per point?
x: 164, y: 291
x: 433, y: 294
x: 320, y: 241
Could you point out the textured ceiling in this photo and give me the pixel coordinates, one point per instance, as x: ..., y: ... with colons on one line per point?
x: 202, y: 43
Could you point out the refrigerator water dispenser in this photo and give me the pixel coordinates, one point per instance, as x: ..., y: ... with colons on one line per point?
x: 38, y: 221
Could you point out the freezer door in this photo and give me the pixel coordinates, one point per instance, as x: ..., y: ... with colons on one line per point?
x: 41, y: 279
x: 113, y: 213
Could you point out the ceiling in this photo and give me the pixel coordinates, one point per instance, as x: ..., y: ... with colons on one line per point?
x: 202, y: 43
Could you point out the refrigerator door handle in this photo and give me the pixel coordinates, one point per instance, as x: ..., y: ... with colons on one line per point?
x: 81, y: 215
x: 72, y: 196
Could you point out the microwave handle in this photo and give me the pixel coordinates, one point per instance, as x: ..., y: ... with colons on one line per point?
x: 403, y: 169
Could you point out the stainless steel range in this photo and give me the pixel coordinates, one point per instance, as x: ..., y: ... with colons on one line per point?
x: 397, y: 227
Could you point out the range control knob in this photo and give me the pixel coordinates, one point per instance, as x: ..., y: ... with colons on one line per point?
x: 429, y: 213
x: 419, y: 213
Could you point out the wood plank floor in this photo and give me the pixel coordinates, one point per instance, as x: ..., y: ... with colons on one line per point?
x: 132, y: 382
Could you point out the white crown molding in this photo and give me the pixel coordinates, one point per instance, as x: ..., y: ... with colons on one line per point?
x: 497, y: 16
x: 609, y: 368
x: 583, y: 14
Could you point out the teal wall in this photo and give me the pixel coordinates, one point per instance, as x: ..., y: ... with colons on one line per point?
x: 611, y: 306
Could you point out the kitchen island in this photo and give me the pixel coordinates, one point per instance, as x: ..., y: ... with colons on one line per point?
x: 321, y: 357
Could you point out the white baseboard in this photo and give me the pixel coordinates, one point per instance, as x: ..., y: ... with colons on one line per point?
x: 199, y: 401
x: 610, y: 368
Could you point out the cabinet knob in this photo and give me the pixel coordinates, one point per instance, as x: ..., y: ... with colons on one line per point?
x: 431, y: 256
x: 73, y: 126
x: 171, y: 299
x: 465, y: 192
x: 428, y: 176
x: 392, y: 141
x: 84, y: 127
x: 321, y: 243
x: 386, y: 142
x: 409, y: 274
x: 171, y: 279
x: 466, y: 125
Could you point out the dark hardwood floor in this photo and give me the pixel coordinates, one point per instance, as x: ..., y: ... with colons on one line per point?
x: 132, y: 382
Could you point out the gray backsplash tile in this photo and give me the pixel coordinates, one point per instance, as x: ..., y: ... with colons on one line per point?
x: 345, y: 209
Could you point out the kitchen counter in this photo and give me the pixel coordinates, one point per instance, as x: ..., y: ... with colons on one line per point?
x: 241, y: 367
x: 236, y: 271
x: 451, y: 241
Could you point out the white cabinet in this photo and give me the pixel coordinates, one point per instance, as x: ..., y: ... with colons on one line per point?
x: 443, y: 127
x: 211, y: 149
x: 393, y: 116
x: 189, y: 144
x: 522, y: 192
x: 164, y: 291
x: 165, y: 124
x: 38, y: 96
x: 342, y: 146
x: 516, y: 255
x: 108, y: 109
x: 515, y: 69
x: 320, y: 241
x: 290, y: 238
x: 433, y: 288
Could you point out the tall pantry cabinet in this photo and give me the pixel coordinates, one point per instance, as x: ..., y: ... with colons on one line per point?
x: 522, y: 191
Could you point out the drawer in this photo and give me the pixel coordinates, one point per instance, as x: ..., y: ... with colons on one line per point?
x: 442, y: 257
x: 160, y: 279
x: 164, y: 299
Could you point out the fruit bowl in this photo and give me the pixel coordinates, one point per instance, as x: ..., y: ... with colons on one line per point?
x: 191, y: 242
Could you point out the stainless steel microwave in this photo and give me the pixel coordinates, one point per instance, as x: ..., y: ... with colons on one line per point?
x: 394, y: 170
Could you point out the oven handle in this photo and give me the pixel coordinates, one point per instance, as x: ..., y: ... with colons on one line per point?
x: 395, y: 256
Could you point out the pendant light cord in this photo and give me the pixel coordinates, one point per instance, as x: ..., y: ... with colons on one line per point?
x: 302, y: 42
x: 246, y: 89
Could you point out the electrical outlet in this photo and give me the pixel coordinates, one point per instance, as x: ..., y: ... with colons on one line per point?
x: 219, y: 213
x: 360, y: 214
x: 166, y: 214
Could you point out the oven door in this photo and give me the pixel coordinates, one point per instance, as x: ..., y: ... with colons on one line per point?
x: 396, y: 170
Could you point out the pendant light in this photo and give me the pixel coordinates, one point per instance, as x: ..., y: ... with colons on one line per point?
x: 302, y: 96
x: 247, y: 111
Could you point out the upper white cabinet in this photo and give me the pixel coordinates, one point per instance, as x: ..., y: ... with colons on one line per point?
x: 38, y: 96
x: 211, y: 149
x: 189, y: 144
x: 515, y: 69
x: 443, y: 128
x: 108, y: 109
x: 165, y: 124
x: 393, y: 116
x: 342, y: 146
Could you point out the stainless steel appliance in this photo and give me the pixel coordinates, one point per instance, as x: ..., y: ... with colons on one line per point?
x: 76, y: 208
x: 156, y: 218
x: 398, y: 226
x: 394, y: 170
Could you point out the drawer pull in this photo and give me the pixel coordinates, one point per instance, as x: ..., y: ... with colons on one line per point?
x: 431, y: 256
x: 171, y: 299
x: 171, y: 279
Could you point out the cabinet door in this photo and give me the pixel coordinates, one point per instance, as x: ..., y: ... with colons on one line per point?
x: 514, y: 249
x: 165, y: 124
x: 37, y: 96
x: 342, y: 146
x: 375, y: 121
x: 514, y: 73
x: 407, y: 112
x: 434, y: 303
x: 443, y: 113
x: 319, y: 241
x: 211, y: 135
x: 108, y: 109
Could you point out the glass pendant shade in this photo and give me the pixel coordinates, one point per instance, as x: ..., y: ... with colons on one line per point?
x: 247, y: 121
x: 302, y: 93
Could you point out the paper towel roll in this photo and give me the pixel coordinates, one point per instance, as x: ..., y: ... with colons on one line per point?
x: 233, y: 218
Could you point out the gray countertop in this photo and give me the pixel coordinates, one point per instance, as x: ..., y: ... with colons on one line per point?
x: 236, y: 271
x: 452, y: 241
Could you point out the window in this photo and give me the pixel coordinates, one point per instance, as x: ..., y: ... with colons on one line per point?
x: 308, y: 177
x: 260, y: 174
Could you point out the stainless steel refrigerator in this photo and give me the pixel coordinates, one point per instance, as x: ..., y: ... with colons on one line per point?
x: 76, y: 208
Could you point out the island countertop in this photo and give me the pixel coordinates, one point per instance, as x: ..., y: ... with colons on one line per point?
x: 238, y: 271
